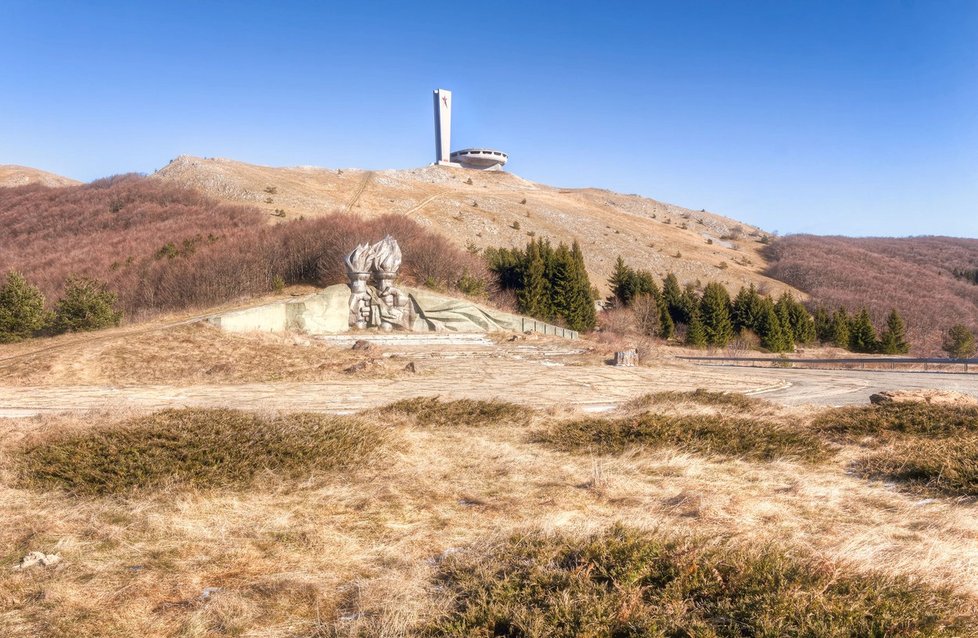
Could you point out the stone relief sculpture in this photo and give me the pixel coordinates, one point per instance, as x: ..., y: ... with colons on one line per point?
x: 380, y: 305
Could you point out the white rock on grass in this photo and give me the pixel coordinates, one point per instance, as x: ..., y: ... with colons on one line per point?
x: 38, y: 558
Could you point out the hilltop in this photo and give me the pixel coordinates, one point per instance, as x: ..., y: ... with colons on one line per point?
x: 476, y: 209
x: 13, y: 175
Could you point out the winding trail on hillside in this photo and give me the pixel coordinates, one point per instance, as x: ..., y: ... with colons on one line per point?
x: 356, y: 196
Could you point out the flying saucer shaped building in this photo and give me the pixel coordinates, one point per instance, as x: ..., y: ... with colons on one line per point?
x: 484, y: 158
x: 478, y: 158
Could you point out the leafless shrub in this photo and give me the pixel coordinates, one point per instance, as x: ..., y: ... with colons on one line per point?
x: 910, y: 274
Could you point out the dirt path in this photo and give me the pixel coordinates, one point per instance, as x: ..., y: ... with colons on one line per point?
x: 844, y: 387
x: 540, y: 383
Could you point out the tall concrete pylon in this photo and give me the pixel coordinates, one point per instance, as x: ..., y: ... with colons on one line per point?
x: 443, y: 126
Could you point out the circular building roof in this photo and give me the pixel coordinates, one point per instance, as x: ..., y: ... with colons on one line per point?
x: 479, y: 158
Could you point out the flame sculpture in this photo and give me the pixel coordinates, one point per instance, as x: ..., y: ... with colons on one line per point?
x: 387, y: 256
x: 381, y: 305
x: 360, y: 260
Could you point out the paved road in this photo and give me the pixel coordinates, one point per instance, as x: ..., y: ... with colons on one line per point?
x: 846, y: 387
x: 540, y: 382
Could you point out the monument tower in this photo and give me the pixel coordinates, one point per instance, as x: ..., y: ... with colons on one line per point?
x: 486, y: 159
x: 443, y: 126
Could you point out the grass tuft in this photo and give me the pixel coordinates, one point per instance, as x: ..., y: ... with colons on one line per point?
x: 625, y: 582
x: 195, y: 448
x: 928, y: 448
x: 699, y: 396
x: 703, y: 434
x: 899, y: 419
x: 942, y: 467
x: 433, y: 412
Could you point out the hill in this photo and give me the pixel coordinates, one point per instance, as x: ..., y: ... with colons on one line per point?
x: 13, y: 175
x: 161, y: 246
x: 930, y: 280
x: 477, y: 209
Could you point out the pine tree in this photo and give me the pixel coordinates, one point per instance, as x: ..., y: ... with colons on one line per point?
x: 799, y: 321
x: 666, y: 326
x: 676, y: 300
x: 622, y: 282
x: 85, y: 305
x: 695, y: 334
x: 893, y: 339
x: 715, y: 314
x: 823, y: 325
x: 840, y: 329
x: 959, y: 342
x: 746, y: 312
x: 770, y: 330
x: 533, y: 293
x: 579, y: 312
x: 783, y: 309
x: 21, y: 309
x: 862, y: 334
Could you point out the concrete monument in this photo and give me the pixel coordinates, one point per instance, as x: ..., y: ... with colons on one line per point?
x: 380, y: 305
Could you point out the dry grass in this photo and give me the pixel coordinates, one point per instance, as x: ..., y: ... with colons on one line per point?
x: 924, y: 447
x: 196, y: 449
x: 433, y: 412
x: 698, y: 434
x: 625, y: 582
x: 727, y: 401
x: 190, y: 355
x: 359, y: 552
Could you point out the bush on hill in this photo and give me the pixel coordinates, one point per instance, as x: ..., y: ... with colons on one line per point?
x: 160, y: 247
x: 925, y: 277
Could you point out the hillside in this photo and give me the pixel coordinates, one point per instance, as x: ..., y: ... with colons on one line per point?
x: 915, y: 275
x: 500, y: 209
x: 13, y: 175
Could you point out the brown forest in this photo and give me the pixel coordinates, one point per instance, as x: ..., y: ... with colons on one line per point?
x: 925, y: 278
x: 163, y: 247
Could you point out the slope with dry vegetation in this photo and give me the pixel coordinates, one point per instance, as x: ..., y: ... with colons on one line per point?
x: 498, y: 209
x: 924, y: 278
x: 162, y: 246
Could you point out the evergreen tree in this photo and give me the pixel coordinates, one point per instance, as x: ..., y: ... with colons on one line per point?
x: 666, y: 326
x: 715, y: 314
x: 533, y: 292
x: 21, y: 309
x: 893, y: 339
x: 862, y: 334
x: 783, y: 309
x: 771, y: 331
x: 695, y: 334
x: 823, y: 325
x: 959, y: 342
x: 85, y: 305
x: 746, y: 312
x: 622, y: 282
x: 579, y: 313
x: 799, y: 321
x: 676, y: 300
x: 840, y: 328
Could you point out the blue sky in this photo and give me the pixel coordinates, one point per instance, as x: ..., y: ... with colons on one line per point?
x: 823, y: 116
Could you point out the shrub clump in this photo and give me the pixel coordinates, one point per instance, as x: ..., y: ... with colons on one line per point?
x: 700, y: 396
x: 929, y: 448
x: 892, y: 420
x: 195, y: 448
x: 85, y: 305
x: 703, y: 434
x: 21, y: 309
x: 942, y: 467
x: 624, y: 582
x: 433, y: 412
